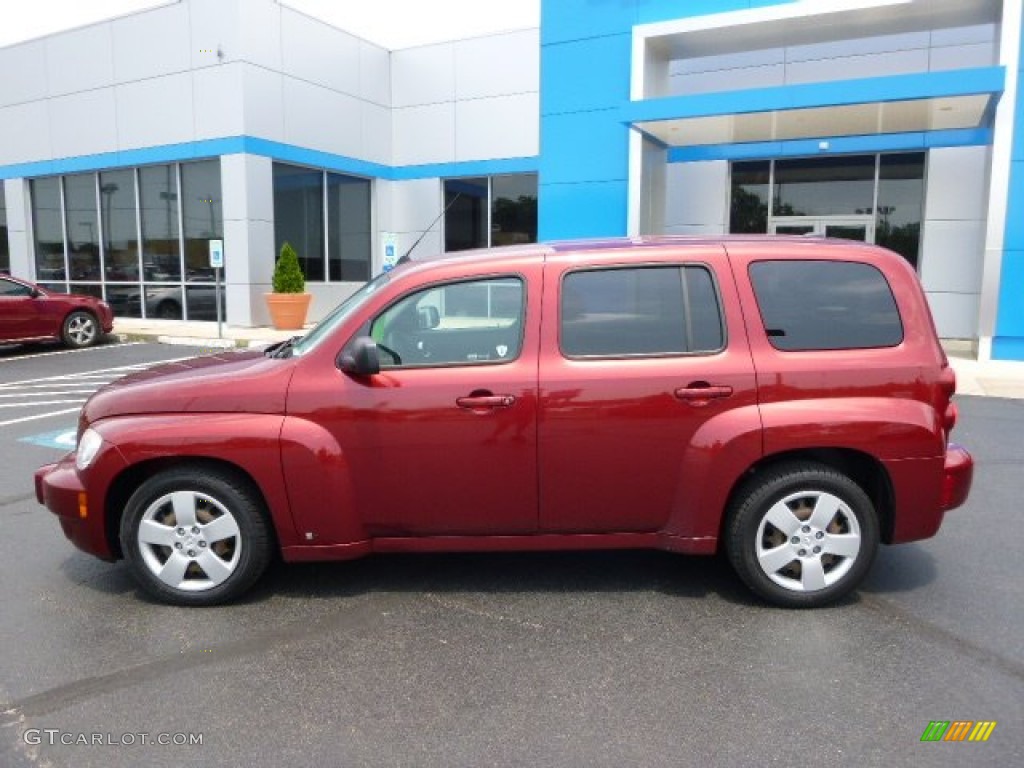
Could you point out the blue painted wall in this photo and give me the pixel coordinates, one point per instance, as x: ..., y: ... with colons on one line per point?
x: 1008, y: 341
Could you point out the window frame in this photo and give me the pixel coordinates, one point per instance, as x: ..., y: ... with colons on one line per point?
x: 716, y: 287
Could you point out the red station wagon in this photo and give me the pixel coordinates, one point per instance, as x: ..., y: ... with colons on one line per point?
x: 785, y: 399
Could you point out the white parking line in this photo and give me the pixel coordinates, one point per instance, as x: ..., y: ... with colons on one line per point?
x: 70, y: 351
x: 39, y: 416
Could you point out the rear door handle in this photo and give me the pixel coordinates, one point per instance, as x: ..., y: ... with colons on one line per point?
x: 485, y: 402
x: 700, y: 392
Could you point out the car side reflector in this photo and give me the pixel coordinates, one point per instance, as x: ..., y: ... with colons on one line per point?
x: 83, y: 505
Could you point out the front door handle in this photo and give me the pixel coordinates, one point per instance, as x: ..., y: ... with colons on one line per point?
x: 701, y: 393
x: 480, y: 402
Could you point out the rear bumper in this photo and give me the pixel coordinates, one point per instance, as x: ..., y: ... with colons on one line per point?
x: 957, y: 474
x: 59, y: 488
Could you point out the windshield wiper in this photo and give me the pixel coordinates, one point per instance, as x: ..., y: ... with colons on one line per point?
x: 282, y: 349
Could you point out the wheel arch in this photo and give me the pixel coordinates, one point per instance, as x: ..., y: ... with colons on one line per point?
x: 863, y: 468
x: 129, y: 480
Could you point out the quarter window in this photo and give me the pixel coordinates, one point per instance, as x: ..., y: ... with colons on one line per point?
x: 465, y: 323
x: 671, y: 310
x: 817, y: 305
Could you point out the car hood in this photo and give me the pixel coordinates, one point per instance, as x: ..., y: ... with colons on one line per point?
x: 229, y: 382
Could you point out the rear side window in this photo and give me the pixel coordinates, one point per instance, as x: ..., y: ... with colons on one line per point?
x: 670, y: 310
x: 812, y: 305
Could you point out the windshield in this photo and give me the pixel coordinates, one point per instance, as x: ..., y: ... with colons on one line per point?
x: 338, y: 315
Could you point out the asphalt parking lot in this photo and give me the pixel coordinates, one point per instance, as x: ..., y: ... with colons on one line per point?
x: 585, y: 659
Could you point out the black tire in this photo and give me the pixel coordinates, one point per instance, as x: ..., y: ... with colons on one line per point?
x: 802, y: 535
x: 216, y: 562
x: 168, y: 310
x: 80, y: 329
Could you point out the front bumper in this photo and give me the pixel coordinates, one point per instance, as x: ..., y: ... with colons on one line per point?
x: 957, y: 475
x: 59, y: 488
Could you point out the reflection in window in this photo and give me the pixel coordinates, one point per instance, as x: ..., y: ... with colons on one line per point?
x: 204, y: 221
x: 5, y: 250
x: 158, y: 197
x: 850, y: 307
x: 477, y: 321
x: 641, y: 311
x: 465, y: 223
x: 299, y: 216
x: 120, y: 239
x: 47, y: 230
x: 750, y: 196
x: 490, y: 211
x: 348, y: 228
x: 900, y: 198
x: 823, y: 186
x: 82, y: 226
x: 514, y: 209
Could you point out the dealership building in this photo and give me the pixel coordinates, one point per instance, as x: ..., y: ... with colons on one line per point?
x: 127, y: 145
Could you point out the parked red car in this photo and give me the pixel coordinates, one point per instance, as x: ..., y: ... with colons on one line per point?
x: 786, y: 399
x: 31, y: 313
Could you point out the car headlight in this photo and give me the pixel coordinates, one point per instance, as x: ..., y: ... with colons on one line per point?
x: 88, y: 447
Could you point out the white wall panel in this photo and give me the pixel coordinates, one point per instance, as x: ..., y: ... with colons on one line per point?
x: 22, y: 73
x: 423, y: 134
x: 374, y: 73
x: 497, y: 65
x: 83, y: 123
x: 963, y: 56
x: 151, y: 44
x: 423, y: 75
x: 415, y: 204
x: 376, y: 134
x: 695, y: 230
x: 317, y: 52
x: 956, y: 314
x: 858, y: 46
x: 263, y: 102
x: 217, y: 94
x: 742, y: 60
x: 214, y: 23
x: 154, y: 112
x: 247, y: 183
x: 79, y: 60
x: 851, y: 67
x: 696, y: 194
x: 504, y: 126
x: 952, y: 256
x: 259, y: 32
x: 957, y: 183
x: 978, y: 33
x: 320, y: 118
x: 727, y: 80
x: 24, y: 133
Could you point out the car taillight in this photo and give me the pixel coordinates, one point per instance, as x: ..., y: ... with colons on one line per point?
x: 947, y: 380
x: 950, y: 417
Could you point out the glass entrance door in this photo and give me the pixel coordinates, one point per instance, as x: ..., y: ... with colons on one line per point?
x: 860, y: 228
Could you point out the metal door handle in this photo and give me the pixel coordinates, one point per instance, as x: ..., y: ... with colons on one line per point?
x: 476, y: 402
x: 700, y: 392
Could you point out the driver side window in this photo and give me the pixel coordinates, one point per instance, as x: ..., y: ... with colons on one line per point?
x: 465, y: 323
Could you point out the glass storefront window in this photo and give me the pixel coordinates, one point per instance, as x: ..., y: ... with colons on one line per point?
x: 299, y: 216
x: 82, y: 226
x: 348, y: 228
x: 465, y: 223
x: 900, y: 200
x: 120, y: 234
x: 824, y: 186
x: 47, y: 230
x: 204, y: 221
x: 158, y: 200
x: 750, y: 196
x: 5, y: 249
x: 514, y: 209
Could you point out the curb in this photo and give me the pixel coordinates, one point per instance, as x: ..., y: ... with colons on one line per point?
x: 192, y: 341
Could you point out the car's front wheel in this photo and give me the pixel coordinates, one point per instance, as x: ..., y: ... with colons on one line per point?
x: 802, y: 535
x: 195, y: 536
x: 80, y: 329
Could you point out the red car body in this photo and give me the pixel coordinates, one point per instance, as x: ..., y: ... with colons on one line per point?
x: 546, y: 450
x: 31, y: 313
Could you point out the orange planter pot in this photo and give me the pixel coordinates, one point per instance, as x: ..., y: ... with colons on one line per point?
x: 288, y: 310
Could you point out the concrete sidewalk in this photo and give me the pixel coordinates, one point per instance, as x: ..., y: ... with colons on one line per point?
x: 996, y: 378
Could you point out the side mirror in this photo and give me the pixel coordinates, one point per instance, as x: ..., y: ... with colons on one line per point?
x: 360, y: 358
x: 35, y: 293
x: 429, y: 318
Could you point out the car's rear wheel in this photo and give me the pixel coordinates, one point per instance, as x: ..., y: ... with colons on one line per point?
x: 80, y: 329
x: 802, y: 535
x: 195, y: 537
